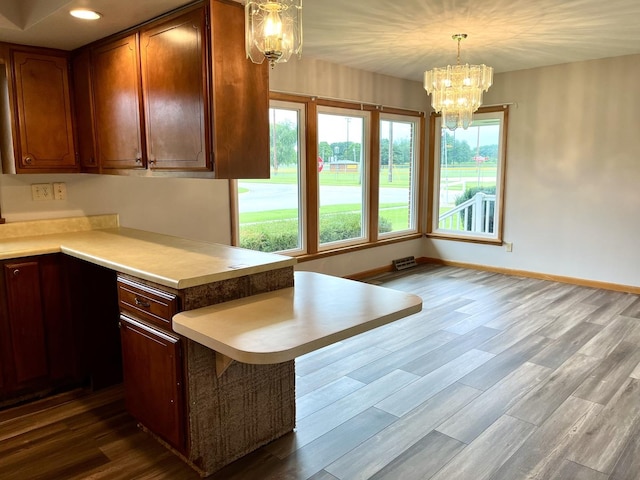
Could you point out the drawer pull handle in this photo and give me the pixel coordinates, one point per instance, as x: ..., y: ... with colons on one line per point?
x: 16, y: 272
x: 142, y: 303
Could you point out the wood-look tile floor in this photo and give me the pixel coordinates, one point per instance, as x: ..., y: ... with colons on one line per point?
x: 499, y: 377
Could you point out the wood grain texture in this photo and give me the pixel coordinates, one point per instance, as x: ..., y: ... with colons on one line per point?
x: 543, y: 453
x: 44, y: 117
x: 423, y: 459
x: 488, y: 452
x: 603, y: 443
x: 473, y: 419
x: 541, y: 402
x: 558, y: 414
x: 405, y: 434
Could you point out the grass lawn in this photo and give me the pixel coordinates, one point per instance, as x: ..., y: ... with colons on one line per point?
x: 396, y: 213
x: 287, y: 175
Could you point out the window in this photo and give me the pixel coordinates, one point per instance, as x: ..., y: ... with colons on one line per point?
x: 344, y: 176
x: 399, y: 174
x: 270, y: 214
x: 467, y: 168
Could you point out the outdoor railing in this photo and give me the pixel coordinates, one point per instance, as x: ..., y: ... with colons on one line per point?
x: 474, y: 215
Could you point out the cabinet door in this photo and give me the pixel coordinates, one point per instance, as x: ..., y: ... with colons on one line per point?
x: 241, y: 99
x: 152, y: 371
x: 175, y: 92
x: 56, y: 304
x: 43, y: 106
x: 117, y: 94
x: 83, y: 104
x: 26, y: 321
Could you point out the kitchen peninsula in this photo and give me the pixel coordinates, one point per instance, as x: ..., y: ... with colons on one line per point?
x: 208, y: 332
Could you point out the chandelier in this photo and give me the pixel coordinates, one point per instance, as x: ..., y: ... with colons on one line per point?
x: 456, y: 91
x: 273, y: 30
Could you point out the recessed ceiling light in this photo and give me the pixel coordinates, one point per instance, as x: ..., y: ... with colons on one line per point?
x: 85, y: 14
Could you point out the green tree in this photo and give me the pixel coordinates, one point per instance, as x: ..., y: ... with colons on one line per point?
x: 352, y: 152
x: 489, y: 151
x: 325, y: 151
x: 401, y: 152
x: 284, y: 151
x: 458, y: 152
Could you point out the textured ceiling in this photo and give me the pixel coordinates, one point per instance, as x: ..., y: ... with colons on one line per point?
x: 401, y: 38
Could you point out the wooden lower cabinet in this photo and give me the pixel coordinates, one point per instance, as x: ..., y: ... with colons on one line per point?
x: 26, y: 322
x: 152, y: 367
x: 152, y: 362
x: 36, y: 330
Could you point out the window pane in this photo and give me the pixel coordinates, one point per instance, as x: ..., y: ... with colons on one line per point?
x: 342, y: 179
x: 397, y: 197
x: 270, y: 210
x: 468, y: 177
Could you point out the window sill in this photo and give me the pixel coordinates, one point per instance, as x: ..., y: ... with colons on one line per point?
x: 355, y: 248
x: 485, y: 241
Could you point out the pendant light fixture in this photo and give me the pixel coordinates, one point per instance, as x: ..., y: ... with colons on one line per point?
x: 456, y: 90
x: 273, y: 30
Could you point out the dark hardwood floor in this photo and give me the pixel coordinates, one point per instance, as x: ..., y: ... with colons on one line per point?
x: 499, y: 377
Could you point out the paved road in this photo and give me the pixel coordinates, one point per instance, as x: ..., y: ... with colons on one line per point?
x: 264, y: 196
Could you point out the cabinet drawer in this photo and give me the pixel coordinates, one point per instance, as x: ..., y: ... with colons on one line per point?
x: 147, y: 303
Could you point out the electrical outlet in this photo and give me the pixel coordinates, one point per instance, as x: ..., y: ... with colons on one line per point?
x: 41, y: 192
x: 508, y: 246
x: 60, y: 191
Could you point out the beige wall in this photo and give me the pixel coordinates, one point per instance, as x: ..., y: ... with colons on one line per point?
x: 323, y: 79
x: 573, y: 173
x: 190, y: 208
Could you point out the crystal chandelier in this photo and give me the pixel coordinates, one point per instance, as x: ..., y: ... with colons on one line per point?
x: 273, y: 30
x: 456, y: 91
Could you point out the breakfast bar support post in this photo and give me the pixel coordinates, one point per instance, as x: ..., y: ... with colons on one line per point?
x: 235, y: 413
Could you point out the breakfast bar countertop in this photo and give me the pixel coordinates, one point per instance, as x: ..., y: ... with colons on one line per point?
x: 166, y: 260
x: 284, y: 324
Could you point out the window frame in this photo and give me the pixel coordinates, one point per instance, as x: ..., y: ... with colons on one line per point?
x: 365, y: 175
x: 416, y: 175
x: 311, y: 197
x: 432, y: 230
x: 300, y: 108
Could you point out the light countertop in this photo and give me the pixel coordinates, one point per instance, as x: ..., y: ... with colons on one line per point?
x: 170, y: 261
x: 281, y: 325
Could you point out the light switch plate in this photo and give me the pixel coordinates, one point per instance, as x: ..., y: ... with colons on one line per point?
x: 60, y: 191
x: 41, y: 192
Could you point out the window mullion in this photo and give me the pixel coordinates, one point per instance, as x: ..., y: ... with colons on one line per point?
x: 312, y: 178
x: 374, y: 175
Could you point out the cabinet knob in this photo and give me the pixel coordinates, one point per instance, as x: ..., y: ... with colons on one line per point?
x: 141, y: 303
x: 16, y: 272
x: 28, y: 159
x: 138, y: 157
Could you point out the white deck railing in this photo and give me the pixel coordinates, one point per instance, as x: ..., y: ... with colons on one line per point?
x: 475, y: 215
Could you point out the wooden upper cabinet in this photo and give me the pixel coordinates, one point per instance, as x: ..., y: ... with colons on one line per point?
x: 176, y: 95
x: 241, y: 98
x: 44, y: 126
x: 85, y: 138
x: 117, y: 104
x: 175, y: 92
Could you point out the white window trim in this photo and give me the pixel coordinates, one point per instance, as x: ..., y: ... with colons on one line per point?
x: 365, y: 175
x: 415, y: 180
x: 496, y: 237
